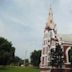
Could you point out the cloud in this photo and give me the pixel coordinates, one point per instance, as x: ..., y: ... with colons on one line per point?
x: 23, y: 21
x: 2, y: 28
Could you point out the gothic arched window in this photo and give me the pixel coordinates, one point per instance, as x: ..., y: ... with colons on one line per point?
x: 42, y: 60
x: 50, y: 21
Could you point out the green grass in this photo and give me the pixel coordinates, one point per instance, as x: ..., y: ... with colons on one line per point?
x: 19, y: 69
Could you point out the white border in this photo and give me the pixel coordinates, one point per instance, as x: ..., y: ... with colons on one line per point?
x: 67, y: 55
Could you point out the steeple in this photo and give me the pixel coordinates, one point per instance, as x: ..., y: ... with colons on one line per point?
x: 50, y: 23
x: 50, y: 40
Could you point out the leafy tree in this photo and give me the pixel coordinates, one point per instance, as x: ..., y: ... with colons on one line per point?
x: 6, y: 51
x: 18, y: 61
x: 35, y: 58
x: 57, y: 57
x: 52, y: 57
x: 26, y: 61
x: 70, y: 56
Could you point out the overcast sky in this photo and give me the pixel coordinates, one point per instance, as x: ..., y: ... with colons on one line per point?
x: 23, y: 22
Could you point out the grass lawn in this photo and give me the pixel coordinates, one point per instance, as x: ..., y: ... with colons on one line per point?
x: 19, y: 69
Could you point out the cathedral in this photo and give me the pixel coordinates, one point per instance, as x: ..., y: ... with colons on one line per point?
x: 50, y: 40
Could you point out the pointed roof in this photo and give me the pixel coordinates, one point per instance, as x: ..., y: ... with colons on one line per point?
x: 50, y: 24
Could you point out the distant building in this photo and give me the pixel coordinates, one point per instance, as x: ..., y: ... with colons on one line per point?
x: 50, y: 39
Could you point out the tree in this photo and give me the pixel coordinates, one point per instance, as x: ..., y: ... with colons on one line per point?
x: 26, y: 62
x: 57, y: 57
x: 70, y: 56
x: 52, y: 57
x: 35, y: 58
x: 6, y: 51
x: 18, y: 61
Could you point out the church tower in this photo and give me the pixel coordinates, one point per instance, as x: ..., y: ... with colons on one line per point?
x: 50, y: 40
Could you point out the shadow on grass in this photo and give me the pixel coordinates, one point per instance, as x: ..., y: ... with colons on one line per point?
x: 35, y: 67
x: 4, y: 68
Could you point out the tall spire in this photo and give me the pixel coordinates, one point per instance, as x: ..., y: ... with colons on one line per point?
x: 50, y: 23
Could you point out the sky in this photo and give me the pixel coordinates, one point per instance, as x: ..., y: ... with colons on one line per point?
x: 23, y: 22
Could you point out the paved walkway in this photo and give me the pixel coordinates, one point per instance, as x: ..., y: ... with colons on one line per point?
x: 46, y: 71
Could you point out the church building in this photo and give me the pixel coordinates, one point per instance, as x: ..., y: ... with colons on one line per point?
x: 50, y: 39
